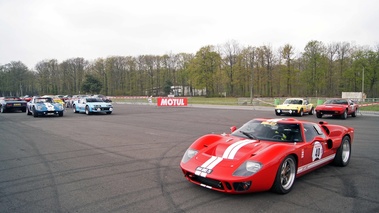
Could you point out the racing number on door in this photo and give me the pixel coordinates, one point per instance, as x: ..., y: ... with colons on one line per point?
x: 317, y: 151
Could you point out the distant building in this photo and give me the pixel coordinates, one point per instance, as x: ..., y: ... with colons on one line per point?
x: 187, y: 91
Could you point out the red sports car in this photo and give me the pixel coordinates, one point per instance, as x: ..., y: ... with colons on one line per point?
x: 265, y: 154
x: 337, y: 107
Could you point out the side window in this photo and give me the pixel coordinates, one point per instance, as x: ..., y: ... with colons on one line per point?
x: 310, y: 132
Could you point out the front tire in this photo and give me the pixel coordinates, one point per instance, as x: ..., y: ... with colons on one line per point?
x: 285, y: 177
x: 301, y: 113
x: 318, y: 115
x: 344, y: 115
x: 87, y: 110
x: 35, y: 114
x: 2, y: 109
x: 343, y: 154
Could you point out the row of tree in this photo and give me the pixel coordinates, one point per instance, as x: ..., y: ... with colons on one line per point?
x: 319, y: 70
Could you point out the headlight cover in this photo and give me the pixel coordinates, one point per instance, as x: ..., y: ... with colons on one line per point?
x: 248, y: 168
x: 190, y: 153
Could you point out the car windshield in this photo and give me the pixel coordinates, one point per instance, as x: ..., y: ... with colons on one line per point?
x: 270, y: 130
x: 43, y: 100
x: 293, y: 101
x: 336, y: 101
x: 12, y: 99
x: 94, y: 100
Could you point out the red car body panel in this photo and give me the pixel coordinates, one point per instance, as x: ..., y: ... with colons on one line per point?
x: 337, y: 107
x: 219, y: 156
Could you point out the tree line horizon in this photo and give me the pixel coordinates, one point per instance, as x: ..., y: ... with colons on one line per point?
x: 320, y: 70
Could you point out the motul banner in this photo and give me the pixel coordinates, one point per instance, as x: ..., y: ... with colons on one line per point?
x: 172, y: 101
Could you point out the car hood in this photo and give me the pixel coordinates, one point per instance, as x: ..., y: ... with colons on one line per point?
x: 103, y: 104
x: 15, y: 102
x: 237, y: 149
x: 288, y: 106
x: 49, y: 106
x: 332, y: 106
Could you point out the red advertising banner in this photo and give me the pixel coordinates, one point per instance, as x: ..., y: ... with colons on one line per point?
x: 172, y: 101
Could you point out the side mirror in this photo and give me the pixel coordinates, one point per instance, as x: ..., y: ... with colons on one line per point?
x: 233, y: 128
x: 320, y: 139
x: 323, y: 140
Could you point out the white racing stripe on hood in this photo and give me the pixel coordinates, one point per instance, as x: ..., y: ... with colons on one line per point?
x: 49, y: 106
x: 209, y: 164
x: 229, y: 153
x: 232, y: 150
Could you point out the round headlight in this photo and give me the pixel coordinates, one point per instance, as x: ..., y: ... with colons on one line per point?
x: 190, y: 153
x: 253, y: 167
x: 248, y: 168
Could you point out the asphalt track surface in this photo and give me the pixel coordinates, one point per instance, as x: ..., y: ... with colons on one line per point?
x: 129, y: 162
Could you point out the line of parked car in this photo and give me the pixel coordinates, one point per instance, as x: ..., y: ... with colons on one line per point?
x: 55, y: 105
x: 336, y: 107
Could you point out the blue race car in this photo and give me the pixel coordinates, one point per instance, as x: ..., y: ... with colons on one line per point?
x: 90, y: 105
x: 44, y: 106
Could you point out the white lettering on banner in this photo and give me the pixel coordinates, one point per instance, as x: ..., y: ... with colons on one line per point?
x: 172, y: 102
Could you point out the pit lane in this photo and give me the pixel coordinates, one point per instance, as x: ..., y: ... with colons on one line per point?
x: 129, y: 162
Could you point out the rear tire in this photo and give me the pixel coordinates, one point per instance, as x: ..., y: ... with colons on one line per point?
x: 28, y: 111
x: 318, y: 115
x: 354, y: 114
x: 343, y: 154
x: 2, y: 110
x: 285, y: 177
x: 74, y: 109
x: 311, y: 112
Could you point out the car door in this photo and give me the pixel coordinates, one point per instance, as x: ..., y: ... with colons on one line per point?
x: 351, y: 106
x: 315, y: 151
x: 81, y: 104
x: 308, y: 106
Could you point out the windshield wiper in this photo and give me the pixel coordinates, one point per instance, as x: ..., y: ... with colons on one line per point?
x: 249, y: 135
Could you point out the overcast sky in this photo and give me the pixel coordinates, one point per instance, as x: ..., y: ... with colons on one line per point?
x: 36, y: 30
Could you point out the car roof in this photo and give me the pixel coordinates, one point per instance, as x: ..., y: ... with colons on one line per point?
x: 295, y: 98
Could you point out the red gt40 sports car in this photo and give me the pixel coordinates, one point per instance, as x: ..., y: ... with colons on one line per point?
x: 265, y: 154
x: 337, y: 107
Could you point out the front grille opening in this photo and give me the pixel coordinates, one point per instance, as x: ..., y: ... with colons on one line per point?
x: 242, y: 186
x: 228, y: 186
x: 209, y: 182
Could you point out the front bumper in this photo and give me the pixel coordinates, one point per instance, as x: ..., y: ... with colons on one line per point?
x: 330, y: 112
x: 231, y: 186
x: 101, y: 109
x: 287, y: 111
x: 49, y: 112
